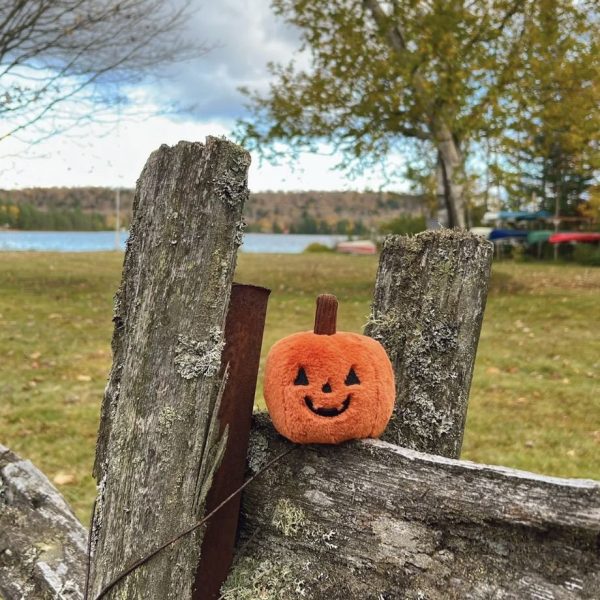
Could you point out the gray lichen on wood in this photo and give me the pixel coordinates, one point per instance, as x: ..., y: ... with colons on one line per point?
x: 157, y: 448
x: 270, y: 578
x: 193, y: 358
x: 239, y: 232
x: 369, y: 520
x: 42, y: 544
x: 288, y: 518
x: 427, y: 311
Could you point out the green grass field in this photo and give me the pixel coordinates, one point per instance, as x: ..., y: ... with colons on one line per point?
x: 535, y: 401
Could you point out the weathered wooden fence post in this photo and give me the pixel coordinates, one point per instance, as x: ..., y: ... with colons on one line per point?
x: 427, y: 311
x: 160, y: 442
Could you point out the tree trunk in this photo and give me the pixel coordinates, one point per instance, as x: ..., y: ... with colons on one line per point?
x: 442, y: 219
x: 450, y: 160
x: 427, y: 311
x: 159, y: 443
x: 368, y: 520
x: 42, y: 544
x: 449, y: 171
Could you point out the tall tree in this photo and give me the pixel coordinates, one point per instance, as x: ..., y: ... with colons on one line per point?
x: 53, y: 51
x: 551, y: 144
x: 382, y: 73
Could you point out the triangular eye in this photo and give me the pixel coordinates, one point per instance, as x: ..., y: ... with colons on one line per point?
x: 301, y: 378
x: 352, y: 378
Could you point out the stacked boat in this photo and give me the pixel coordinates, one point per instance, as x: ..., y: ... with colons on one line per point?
x: 521, y: 231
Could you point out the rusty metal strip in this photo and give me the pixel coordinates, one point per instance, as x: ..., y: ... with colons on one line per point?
x: 243, y: 339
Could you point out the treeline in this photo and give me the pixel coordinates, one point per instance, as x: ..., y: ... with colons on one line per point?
x: 309, y: 212
x: 309, y: 225
x: 28, y: 217
x: 342, y: 212
x: 89, y: 199
x: 404, y: 224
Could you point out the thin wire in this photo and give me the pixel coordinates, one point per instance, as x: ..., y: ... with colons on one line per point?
x: 89, y: 553
x: 141, y: 561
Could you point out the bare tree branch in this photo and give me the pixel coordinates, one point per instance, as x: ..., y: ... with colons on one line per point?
x: 56, y: 51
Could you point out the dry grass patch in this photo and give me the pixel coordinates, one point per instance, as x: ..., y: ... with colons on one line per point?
x: 535, y: 401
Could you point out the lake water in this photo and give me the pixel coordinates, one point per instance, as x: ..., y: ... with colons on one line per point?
x: 98, y: 241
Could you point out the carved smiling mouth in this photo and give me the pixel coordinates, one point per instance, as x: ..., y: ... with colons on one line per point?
x: 327, y: 412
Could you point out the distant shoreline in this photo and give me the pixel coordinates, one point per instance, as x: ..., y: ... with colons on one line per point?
x: 99, y: 241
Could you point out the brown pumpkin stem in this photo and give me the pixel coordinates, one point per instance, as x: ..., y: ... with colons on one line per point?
x: 326, y: 315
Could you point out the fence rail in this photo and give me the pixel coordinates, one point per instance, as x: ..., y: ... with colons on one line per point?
x: 371, y: 520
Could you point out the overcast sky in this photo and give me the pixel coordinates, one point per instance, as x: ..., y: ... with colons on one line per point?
x: 246, y: 36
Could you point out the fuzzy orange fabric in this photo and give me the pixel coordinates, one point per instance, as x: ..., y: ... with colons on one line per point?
x: 325, y: 389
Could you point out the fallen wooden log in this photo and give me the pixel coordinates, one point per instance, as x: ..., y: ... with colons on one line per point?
x: 42, y: 544
x: 371, y: 520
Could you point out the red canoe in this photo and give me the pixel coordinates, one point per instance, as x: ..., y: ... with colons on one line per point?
x: 357, y: 247
x: 566, y: 236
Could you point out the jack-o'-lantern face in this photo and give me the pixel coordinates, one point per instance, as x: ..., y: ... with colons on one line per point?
x: 324, y: 407
x: 328, y: 388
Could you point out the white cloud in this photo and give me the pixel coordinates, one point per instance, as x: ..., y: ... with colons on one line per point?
x: 248, y: 35
x: 117, y: 160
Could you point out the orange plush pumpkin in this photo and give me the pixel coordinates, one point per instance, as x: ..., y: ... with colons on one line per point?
x: 326, y: 387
